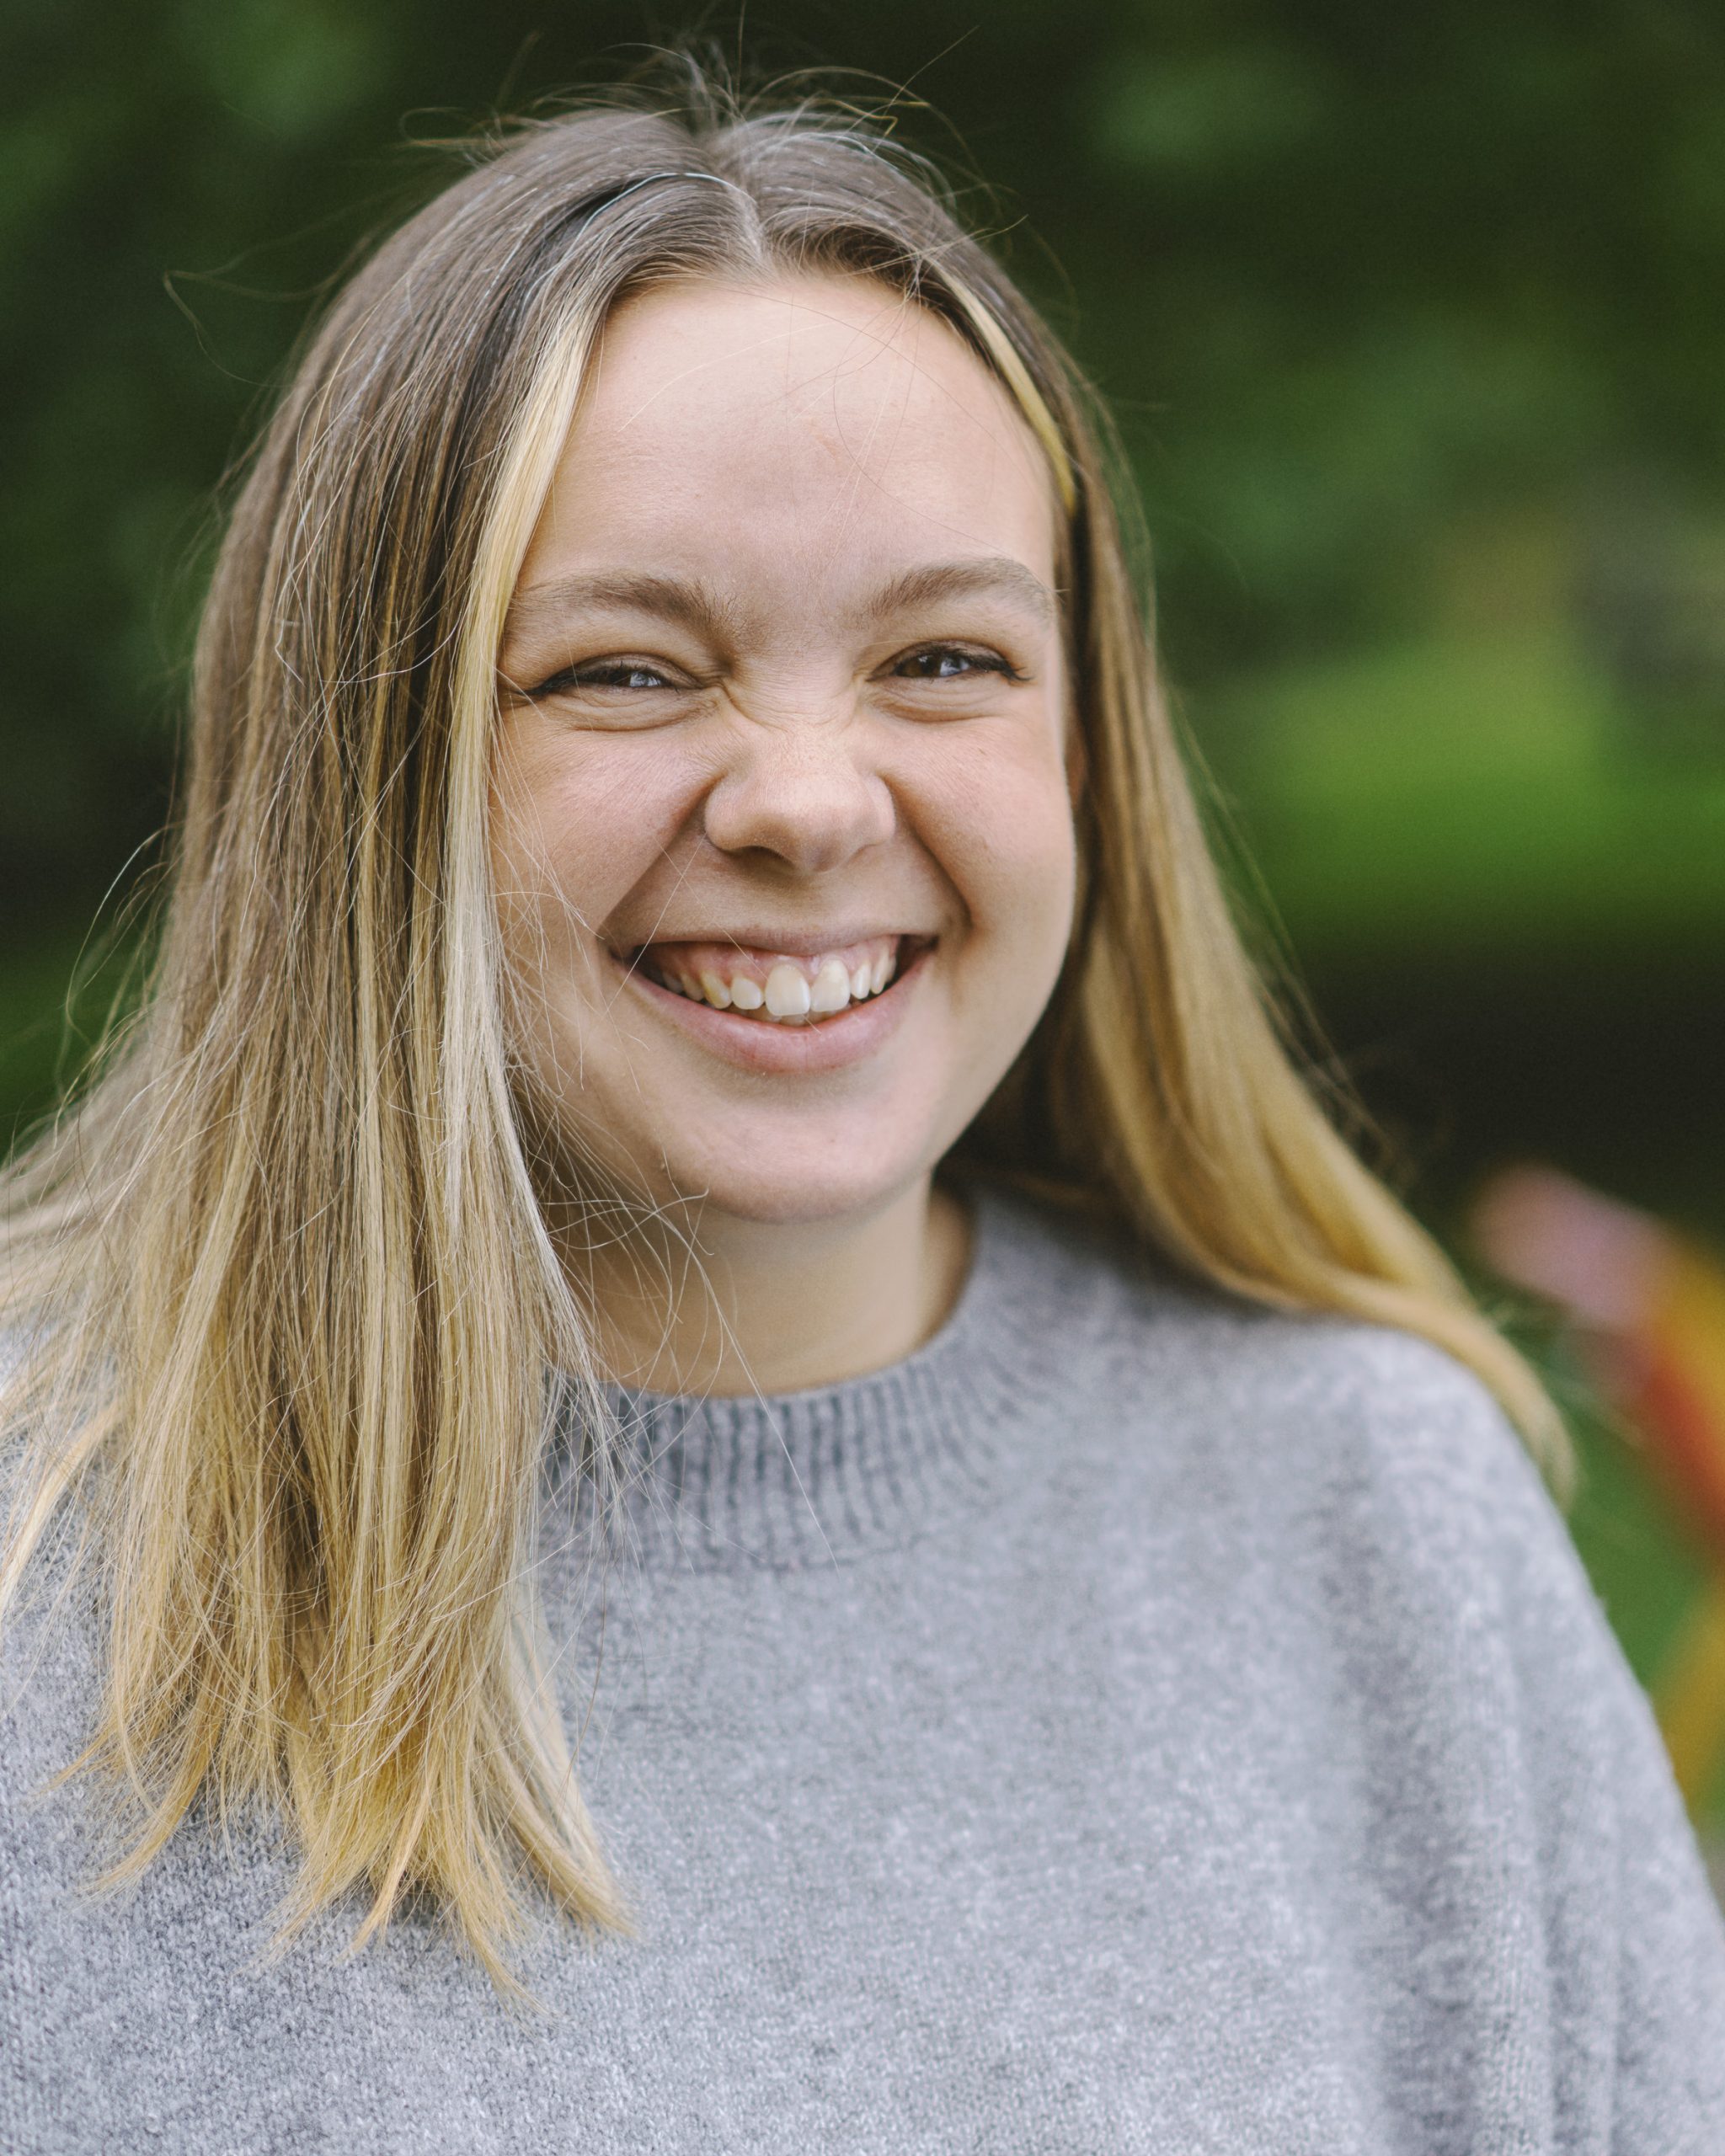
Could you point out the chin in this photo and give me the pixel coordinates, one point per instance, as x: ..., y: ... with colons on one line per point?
x: 792, y: 1199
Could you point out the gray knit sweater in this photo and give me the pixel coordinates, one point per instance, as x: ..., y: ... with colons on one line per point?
x: 1134, y: 1723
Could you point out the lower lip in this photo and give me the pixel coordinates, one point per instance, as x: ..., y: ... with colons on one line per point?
x: 850, y: 1036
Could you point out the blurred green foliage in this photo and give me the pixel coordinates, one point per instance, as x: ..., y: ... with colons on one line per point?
x: 1414, y: 322
x: 1362, y: 282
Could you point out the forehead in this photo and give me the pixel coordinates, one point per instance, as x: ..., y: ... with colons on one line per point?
x: 825, y: 423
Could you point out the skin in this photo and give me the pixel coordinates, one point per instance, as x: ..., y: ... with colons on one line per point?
x: 784, y: 669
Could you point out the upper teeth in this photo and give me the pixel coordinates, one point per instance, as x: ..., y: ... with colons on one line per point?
x: 831, y: 987
x: 788, y: 993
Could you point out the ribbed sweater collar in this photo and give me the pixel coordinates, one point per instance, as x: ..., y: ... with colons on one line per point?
x: 821, y: 1476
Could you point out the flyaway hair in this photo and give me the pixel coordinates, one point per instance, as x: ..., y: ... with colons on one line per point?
x: 288, y: 1334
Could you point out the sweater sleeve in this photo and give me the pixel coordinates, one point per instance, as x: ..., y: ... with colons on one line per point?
x: 1669, y: 2082
x: 1634, y: 1940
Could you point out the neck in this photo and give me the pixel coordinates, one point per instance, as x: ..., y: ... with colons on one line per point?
x: 693, y: 1302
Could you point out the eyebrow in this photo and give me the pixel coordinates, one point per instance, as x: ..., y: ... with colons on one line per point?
x: 690, y: 601
x: 543, y: 605
x: 993, y: 573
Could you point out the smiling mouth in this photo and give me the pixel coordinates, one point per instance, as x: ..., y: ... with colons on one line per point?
x: 774, y: 986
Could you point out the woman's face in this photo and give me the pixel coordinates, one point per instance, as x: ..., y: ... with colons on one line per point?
x: 782, y: 834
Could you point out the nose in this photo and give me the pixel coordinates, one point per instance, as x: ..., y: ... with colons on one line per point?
x: 802, y: 792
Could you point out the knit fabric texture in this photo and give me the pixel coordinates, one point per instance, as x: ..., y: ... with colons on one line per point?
x: 1135, y: 1722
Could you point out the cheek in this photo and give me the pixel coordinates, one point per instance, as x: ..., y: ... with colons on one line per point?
x: 1001, y: 824
x: 576, y: 822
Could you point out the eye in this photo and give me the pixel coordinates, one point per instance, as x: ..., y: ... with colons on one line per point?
x: 950, y: 662
x: 607, y: 674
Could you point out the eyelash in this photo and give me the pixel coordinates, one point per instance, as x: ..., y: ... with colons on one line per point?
x: 595, y: 670
x: 590, y: 675
x: 978, y: 661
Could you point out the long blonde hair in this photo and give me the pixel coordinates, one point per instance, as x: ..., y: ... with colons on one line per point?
x: 285, y: 1319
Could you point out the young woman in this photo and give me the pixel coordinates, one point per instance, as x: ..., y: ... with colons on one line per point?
x: 701, y: 1378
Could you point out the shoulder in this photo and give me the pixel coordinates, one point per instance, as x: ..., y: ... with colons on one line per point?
x: 1364, y: 1415
x: 1313, y: 1423
x: 1152, y: 1326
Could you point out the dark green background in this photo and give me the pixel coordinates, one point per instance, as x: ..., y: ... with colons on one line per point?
x: 1415, y: 321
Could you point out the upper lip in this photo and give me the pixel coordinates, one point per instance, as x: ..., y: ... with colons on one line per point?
x: 792, y: 943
